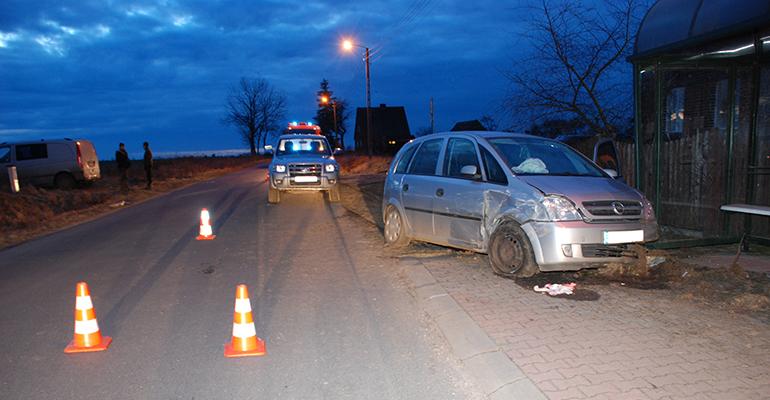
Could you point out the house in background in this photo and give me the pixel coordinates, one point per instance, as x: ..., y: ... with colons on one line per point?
x: 390, y: 129
x: 702, y: 116
x: 472, y: 125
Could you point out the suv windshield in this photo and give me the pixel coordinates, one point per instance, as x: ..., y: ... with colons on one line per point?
x: 533, y: 156
x: 303, y: 147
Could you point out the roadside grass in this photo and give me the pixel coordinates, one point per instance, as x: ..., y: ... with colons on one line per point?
x: 36, y: 211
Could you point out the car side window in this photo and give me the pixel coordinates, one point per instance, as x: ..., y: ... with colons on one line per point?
x: 424, y: 161
x: 403, y: 162
x: 495, y: 172
x: 461, y: 153
x: 5, y: 154
x: 31, y: 151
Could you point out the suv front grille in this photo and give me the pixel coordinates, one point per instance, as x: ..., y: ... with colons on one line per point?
x: 614, y: 208
x: 305, y: 169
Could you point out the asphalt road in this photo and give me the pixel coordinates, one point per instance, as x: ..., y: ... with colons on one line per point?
x: 337, y: 321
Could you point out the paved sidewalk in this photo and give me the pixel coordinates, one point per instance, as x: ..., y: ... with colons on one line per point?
x: 627, y: 344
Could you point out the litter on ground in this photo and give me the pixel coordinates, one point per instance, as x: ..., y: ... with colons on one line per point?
x: 555, y: 289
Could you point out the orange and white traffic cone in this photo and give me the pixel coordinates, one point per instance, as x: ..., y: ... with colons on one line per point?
x: 205, y: 232
x: 87, y: 336
x: 245, y: 341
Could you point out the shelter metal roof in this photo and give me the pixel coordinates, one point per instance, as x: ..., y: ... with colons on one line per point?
x: 674, y: 24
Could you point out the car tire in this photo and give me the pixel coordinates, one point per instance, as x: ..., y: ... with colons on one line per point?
x: 64, y: 181
x: 510, y: 253
x: 273, y: 195
x: 395, y: 230
x: 334, y: 194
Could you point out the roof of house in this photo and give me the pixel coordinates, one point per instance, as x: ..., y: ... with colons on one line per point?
x: 472, y: 125
x: 670, y: 25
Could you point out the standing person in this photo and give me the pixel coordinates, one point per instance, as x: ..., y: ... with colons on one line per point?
x: 148, y: 164
x: 121, y: 157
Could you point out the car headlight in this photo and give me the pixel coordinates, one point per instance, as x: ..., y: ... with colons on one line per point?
x: 329, y: 167
x: 280, y: 168
x: 648, y: 213
x: 559, y: 208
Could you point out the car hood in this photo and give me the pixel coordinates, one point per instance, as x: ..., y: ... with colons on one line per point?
x: 582, y: 188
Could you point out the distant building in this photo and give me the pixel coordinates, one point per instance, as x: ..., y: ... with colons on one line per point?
x: 390, y: 129
x: 472, y: 125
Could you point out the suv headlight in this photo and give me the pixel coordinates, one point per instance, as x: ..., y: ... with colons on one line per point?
x: 330, y: 168
x: 648, y: 213
x: 559, y: 208
x: 280, y: 168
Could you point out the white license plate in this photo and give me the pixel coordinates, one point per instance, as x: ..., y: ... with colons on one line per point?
x: 614, y: 237
x: 305, y: 179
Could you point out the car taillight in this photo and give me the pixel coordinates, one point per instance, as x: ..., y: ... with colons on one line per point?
x: 80, y: 157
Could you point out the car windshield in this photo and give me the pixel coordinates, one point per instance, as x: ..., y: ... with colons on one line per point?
x: 303, y: 146
x: 533, y: 156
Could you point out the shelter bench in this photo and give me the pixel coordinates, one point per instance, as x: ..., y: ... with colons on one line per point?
x: 746, y: 209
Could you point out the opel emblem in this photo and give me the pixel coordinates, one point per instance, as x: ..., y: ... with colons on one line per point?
x: 618, y: 207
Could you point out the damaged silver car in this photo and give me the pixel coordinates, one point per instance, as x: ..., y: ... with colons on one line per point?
x: 530, y: 203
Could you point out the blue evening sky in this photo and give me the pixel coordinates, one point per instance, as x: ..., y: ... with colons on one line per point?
x: 131, y: 71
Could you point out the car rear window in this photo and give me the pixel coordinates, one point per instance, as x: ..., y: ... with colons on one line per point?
x: 424, y: 162
x: 403, y: 161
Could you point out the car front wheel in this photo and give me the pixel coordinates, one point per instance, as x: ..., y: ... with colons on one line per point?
x: 510, y: 253
x: 273, y: 195
x: 395, y: 231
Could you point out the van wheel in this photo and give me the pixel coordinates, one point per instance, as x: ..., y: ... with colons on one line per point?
x: 273, y: 195
x: 510, y: 253
x: 64, y: 181
x: 334, y: 194
x: 395, y: 230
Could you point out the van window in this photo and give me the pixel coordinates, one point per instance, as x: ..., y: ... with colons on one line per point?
x: 460, y: 152
x: 403, y: 161
x: 495, y: 173
x: 5, y: 154
x: 31, y: 151
x: 425, y: 159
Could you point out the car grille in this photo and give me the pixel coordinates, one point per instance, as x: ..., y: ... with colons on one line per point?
x: 606, y: 250
x: 305, y: 169
x: 614, y: 209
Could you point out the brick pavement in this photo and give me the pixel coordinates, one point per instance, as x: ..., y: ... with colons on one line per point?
x: 628, y: 344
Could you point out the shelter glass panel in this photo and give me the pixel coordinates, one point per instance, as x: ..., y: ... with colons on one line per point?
x: 741, y: 151
x: 647, y: 132
x: 693, y: 151
x: 760, y: 226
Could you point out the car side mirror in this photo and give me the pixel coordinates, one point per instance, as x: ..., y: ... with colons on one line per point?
x: 268, y: 149
x: 337, y: 150
x: 469, y: 171
x: 611, y: 172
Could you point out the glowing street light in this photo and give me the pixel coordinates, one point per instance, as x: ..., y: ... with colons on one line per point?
x: 326, y: 100
x: 348, y: 45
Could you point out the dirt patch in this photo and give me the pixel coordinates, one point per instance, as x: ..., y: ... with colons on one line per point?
x: 35, y: 211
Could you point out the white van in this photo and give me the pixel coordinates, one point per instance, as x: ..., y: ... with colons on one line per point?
x: 61, y: 163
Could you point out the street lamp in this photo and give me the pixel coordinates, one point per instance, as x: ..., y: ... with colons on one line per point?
x: 326, y: 100
x: 348, y: 45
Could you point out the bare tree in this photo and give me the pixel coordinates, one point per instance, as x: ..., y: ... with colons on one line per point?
x: 577, y: 66
x: 488, y: 122
x: 255, y: 108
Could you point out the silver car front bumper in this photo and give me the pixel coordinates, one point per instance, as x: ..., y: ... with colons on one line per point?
x: 572, y: 245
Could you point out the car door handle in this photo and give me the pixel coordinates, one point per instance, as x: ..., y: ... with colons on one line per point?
x: 439, y: 192
x: 405, y: 187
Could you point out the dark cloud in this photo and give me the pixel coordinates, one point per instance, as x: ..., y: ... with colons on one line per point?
x: 116, y: 70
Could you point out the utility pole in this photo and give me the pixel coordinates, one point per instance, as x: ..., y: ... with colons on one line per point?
x: 431, y: 116
x: 368, y: 107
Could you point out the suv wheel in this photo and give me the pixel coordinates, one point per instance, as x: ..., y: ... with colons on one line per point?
x: 64, y: 181
x: 395, y: 231
x: 273, y: 195
x: 334, y: 194
x: 510, y: 253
